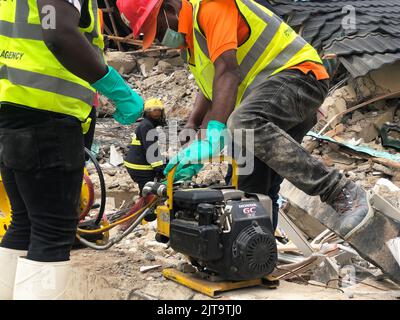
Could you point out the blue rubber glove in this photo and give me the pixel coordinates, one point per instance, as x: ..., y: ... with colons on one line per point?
x: 189, y: 160
x: 129, y: 105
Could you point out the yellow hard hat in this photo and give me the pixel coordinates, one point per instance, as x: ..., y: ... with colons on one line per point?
x: 153, y: 104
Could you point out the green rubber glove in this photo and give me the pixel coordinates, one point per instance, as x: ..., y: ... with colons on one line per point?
x: 129, y: 105
x: 189, y: 160
x: 187, y: 172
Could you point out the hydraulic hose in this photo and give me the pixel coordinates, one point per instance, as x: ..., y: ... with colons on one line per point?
x: 117, y: 238
x: 102, y: 186
x: 112, y: 225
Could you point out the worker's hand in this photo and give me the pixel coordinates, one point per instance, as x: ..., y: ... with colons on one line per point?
x: 187, y: 172
x: 129, y: 105
x: 189, y: 160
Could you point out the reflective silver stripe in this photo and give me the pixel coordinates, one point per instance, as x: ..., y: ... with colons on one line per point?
x: 95, y: 8
x: 201, y: 40
x: 22, y: 12
x: 256, y: 10
x: 21, y: 30
x: 47, y: 83
x: 258, y: 47
x: 280, y: 60
x: 94, y: 34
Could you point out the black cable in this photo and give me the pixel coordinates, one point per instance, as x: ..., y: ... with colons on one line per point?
x: 102, y: 186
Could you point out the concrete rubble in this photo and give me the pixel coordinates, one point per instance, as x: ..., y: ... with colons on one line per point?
x: 132, y: 268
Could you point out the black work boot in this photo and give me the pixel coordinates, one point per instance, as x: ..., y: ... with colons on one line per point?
x: 352, y: 204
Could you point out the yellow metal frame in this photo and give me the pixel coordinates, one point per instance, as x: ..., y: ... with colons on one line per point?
x: 215, y: 289
x: 163, y: 211
x: 87, y: 195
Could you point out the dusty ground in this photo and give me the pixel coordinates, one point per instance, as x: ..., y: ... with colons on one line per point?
x: 115, y: 274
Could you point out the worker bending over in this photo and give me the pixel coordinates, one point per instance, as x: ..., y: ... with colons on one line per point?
x: 46, y: 93
x: 255, y: 73
x: 144, y: 146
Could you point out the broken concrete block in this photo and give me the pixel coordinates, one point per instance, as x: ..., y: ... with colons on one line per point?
x: 305, y: 222
x: 388, y: 184
x: 120, y: 61
x: 113, y: 185
x: 369, y: 241
x: 355, y: 128
x: 369, y: 132
x: 151, y: 81
x: 356, y: 116
x: 164, y: 66
x: 331, y: 107
x: 341, y: 158
x: 347, y: 93
x: 365, y: 167
x: 337, y: 130
x: 364, y: 87
x: 382, y: 168
x: 146, y: 65
x: 387, y: 78
x: 327, y: 160
x: 175, y: 62
x: 150, y: 257
x: 383, y: 117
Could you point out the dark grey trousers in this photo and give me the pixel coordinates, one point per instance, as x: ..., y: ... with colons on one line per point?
x: 280, y: 111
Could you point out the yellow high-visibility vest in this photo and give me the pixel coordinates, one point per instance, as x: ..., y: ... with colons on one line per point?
x: 271, y: 47
x: 30, y: 75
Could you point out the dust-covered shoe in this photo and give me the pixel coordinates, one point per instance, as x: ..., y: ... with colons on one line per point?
x: 353, y: 205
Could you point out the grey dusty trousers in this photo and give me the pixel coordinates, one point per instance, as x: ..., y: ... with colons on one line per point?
x: 280, y: 111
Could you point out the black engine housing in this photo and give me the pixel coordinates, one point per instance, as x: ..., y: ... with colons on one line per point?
x: 247, y: 250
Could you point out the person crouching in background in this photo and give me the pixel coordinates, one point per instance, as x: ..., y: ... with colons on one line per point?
x: 136, y: 161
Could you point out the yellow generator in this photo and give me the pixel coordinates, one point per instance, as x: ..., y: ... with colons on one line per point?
x: 226, y: 234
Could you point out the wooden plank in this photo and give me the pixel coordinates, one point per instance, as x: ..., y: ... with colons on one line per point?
x: 114, y: 26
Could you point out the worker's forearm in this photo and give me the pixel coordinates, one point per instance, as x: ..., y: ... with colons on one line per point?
x: 201, y: 106
x: 225, y: 88
x: 224, y: 94
x: 69, y: 46
x: 82, y: 61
